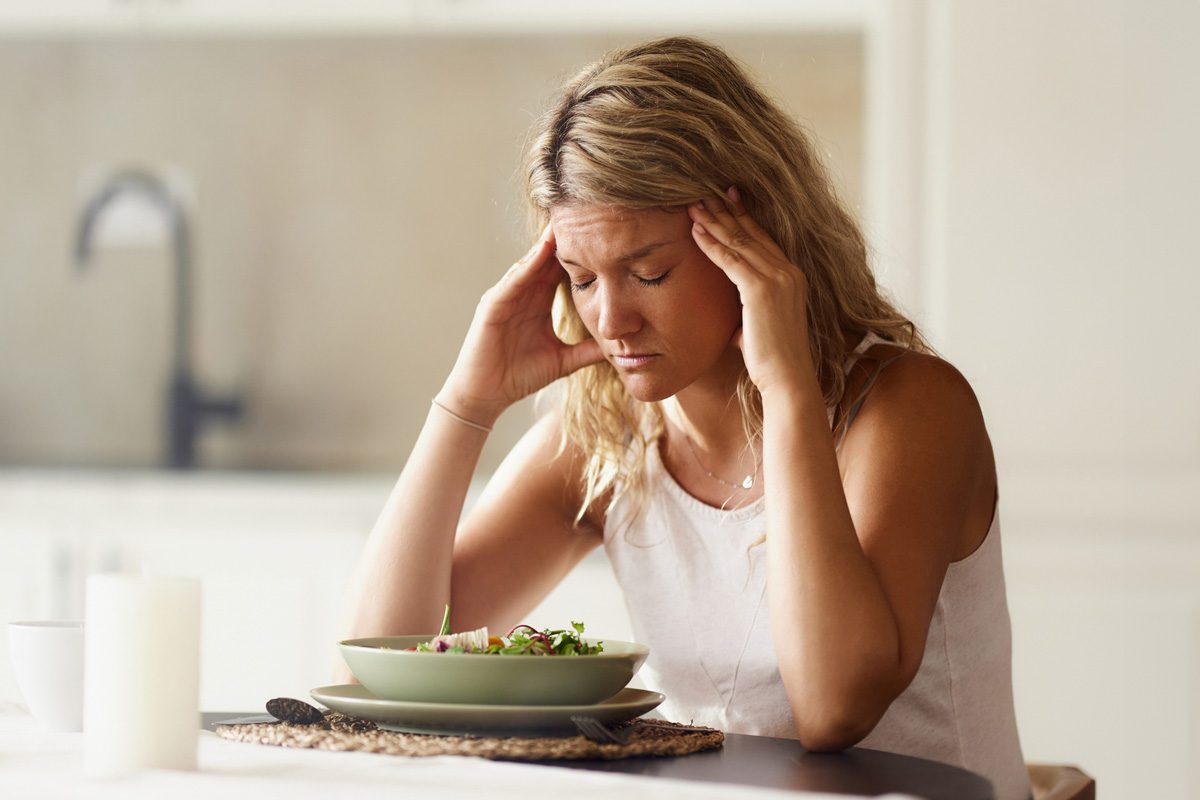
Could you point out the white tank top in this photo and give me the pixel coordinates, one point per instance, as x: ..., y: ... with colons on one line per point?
x: 695, y: 584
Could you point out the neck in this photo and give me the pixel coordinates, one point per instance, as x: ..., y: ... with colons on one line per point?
x: 707, y: 412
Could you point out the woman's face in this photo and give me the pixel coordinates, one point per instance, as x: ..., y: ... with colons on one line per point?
x: 663, y: 313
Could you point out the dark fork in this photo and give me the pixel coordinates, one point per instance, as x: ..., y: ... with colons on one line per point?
x: 594, y: 730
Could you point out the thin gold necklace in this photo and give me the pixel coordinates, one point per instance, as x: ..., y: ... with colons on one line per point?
x: 747, y: 482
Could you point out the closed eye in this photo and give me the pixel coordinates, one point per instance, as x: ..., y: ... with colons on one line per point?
x: 653, y: 281
x: 582, y: 286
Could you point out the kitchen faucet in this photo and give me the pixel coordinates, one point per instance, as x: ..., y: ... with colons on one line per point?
x: 188, y: 407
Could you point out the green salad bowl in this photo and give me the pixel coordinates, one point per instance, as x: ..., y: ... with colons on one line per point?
x: 387, y: 670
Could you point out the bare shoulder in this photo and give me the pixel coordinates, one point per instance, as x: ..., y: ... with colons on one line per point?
x: 920, y: 420
x: 919, y: 449
x: 919, y: 391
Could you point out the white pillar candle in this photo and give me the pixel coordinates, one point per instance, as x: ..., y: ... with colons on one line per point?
x: 141, y: 696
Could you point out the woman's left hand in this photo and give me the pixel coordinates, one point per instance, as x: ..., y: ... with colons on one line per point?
x: 774, y: 334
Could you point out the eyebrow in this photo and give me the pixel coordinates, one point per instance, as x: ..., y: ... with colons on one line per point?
x: 628, y: 258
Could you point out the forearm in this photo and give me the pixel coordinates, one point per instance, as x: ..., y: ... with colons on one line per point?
x: 402, y: 581
x: 836, y: 636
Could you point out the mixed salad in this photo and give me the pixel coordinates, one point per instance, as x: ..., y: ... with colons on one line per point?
x: 523, y: 640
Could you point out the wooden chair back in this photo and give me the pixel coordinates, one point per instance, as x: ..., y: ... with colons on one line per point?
x: 1060, y: 782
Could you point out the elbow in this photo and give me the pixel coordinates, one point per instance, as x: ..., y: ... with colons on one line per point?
x: 841, y: 710
x: 841, y: 717
x: 833, y: 733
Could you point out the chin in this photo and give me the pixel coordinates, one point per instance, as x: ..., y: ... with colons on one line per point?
x: 648, y: 390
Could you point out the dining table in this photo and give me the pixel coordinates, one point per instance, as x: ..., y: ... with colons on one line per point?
x: 42, y: 764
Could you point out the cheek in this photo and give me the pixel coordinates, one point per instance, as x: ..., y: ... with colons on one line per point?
x: 714, y: 288
x: 587, y: 314
x: 721, y: 304
x: 733, y: 306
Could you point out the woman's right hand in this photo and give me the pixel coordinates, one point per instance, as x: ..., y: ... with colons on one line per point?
x: 511, y: 350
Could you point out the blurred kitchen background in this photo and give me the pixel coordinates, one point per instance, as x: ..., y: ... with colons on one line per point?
x: 336, y: 182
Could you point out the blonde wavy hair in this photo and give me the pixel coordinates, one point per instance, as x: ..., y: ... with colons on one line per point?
x: 661, y: 125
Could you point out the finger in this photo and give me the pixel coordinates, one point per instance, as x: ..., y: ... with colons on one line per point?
x: 578, y: 356
x: 716, y: 217
x: 728, y: 214
x: 733, y: 200
x: 546, y: 235
x: 714, y: 213
x: 733, y: 245
x: 740, y: 233
x: 743, y: 228
x: 536, y: 259
x: 727, y: 258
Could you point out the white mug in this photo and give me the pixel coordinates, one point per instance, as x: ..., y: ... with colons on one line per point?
x: 47, y: 658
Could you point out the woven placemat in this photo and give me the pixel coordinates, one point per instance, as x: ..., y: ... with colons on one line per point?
x: 340, y: 732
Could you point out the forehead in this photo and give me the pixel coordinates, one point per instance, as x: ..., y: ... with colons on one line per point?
x: 601, y: 230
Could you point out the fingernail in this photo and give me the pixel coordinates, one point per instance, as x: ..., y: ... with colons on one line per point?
x: 733, y: 194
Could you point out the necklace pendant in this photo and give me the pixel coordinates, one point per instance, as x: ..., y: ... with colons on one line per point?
x: 748, y: 482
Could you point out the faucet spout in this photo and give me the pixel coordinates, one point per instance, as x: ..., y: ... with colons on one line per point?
x: 152, y: 188
x: 187, y: 405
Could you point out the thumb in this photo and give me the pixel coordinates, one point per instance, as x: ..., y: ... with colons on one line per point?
x: 581, y: 355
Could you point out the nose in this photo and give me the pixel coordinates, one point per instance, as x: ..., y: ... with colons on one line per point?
x: 617, y: 317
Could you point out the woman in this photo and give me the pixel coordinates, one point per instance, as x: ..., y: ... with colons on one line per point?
x: 797, y: 496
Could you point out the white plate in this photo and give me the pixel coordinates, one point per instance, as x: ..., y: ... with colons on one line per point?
x: 481, y: 720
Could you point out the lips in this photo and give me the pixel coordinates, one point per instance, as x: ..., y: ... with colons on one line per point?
x: 631, y: 360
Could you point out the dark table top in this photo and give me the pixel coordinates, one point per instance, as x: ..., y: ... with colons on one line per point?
x: 784, y: 764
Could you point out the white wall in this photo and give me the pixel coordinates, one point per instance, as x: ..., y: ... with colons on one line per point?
x: 1058, y: 270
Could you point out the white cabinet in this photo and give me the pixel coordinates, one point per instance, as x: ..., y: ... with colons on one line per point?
x: 274, y: 554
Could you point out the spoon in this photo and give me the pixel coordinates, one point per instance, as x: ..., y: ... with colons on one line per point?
x: 297, y: 712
